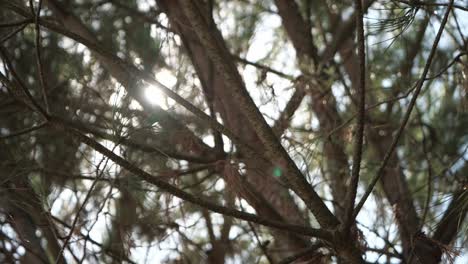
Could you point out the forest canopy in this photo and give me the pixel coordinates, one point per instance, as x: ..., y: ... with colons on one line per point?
x: 244, y: 131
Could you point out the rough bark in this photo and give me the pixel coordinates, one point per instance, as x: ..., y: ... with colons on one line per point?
x: 216, y: 49
x: 259, y: 173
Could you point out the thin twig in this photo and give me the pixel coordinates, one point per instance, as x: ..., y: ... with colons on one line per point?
x: 421, y: 3
x: 301, y: 254
x: 12, y: 33
x: 262, y: 245
x: 23, y: 131
x: 457, y: 58
x: 16, y: 23
x: 263, y: 67
x: 38, y: 53
x: 359, y: 136
x: 21, y: 93
x: 107, y: 250
x: 370, y: 108
x: 429, y: 175
x: 83, y: 204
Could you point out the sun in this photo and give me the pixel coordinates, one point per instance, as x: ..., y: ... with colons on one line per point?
x: 154, y: 95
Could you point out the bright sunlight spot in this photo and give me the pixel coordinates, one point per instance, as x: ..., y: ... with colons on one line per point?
x: 154, y: 94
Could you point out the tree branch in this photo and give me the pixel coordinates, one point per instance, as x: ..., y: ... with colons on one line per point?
x: 40, y: 69
x: 200, y: 201
x: 359, y: 136
x: 220, y: 56
x: 407, y: 114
